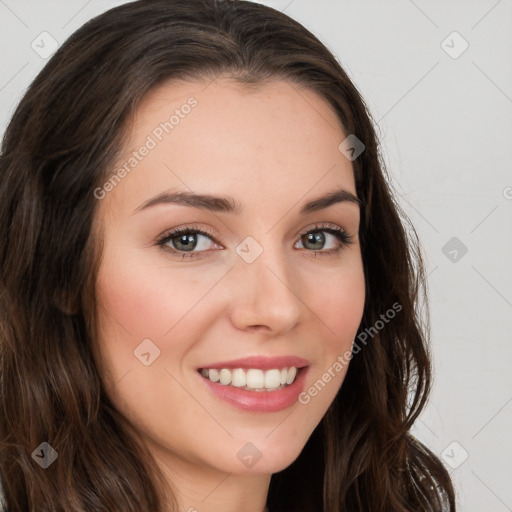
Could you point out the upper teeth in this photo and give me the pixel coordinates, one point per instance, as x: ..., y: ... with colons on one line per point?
x: 252, y: 378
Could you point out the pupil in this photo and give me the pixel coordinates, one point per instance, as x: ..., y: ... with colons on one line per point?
x: 187, y: 242
x: 317, y: 238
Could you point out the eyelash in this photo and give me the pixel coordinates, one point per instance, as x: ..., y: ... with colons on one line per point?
x: 343, y: 237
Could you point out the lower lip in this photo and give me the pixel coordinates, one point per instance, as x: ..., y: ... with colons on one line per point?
x: 259, y: 401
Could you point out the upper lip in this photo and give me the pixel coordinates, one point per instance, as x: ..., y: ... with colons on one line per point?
x: 261, y: 362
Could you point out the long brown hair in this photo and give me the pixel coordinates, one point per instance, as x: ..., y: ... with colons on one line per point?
x: 59, y: 147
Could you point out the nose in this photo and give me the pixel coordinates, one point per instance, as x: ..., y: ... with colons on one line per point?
x: 267, y: 294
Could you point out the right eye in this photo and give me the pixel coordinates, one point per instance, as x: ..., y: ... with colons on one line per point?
x: 187, y: 242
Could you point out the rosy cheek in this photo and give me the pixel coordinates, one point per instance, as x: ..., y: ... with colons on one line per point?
x: 339, y: 306
x: 126, y: 303
x: 350, y: 310
x: 140, y: 299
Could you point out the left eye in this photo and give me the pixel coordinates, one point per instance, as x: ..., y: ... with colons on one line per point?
x: 316, y: 240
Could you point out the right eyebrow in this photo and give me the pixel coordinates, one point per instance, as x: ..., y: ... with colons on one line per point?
x: 204, y: 201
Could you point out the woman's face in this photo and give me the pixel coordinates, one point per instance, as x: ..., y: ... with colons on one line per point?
x: 275, y: 283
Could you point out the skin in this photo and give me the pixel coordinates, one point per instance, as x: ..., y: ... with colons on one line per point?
x: 271, y: 148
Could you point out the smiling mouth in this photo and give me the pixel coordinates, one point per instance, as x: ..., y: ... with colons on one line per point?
x: 252, y: 379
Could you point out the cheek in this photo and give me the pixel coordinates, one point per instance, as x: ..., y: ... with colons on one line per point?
x: 338, y: 302
x: 135, y: 298
x: 131, y: 308
x: 146, y: 297
x: 139, y: 302
x: 141, y: 298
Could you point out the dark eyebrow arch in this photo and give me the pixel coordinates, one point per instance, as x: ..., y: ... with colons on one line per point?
x: 338, y: 196
x: 203, y: 201
x: 230, y: 205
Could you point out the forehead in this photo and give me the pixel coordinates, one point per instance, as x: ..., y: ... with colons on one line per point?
x: 275, y: 136
x: 275, y: 110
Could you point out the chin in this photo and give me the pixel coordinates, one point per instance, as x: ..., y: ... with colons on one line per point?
x: 253, y: 457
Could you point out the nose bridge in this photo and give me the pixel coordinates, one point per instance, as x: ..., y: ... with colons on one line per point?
x: 266, y: 292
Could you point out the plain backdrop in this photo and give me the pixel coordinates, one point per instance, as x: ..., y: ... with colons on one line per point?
x: 437, y: 77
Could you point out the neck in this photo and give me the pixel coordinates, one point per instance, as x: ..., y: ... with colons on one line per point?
x: 200, y: 488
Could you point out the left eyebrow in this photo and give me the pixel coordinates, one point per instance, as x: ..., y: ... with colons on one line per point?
x: 230, y: 205
x: 338, y: 196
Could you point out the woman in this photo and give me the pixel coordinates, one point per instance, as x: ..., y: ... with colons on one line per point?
x: 208, y: 295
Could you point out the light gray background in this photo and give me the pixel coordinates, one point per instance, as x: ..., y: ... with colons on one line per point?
x: 446, y: 128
